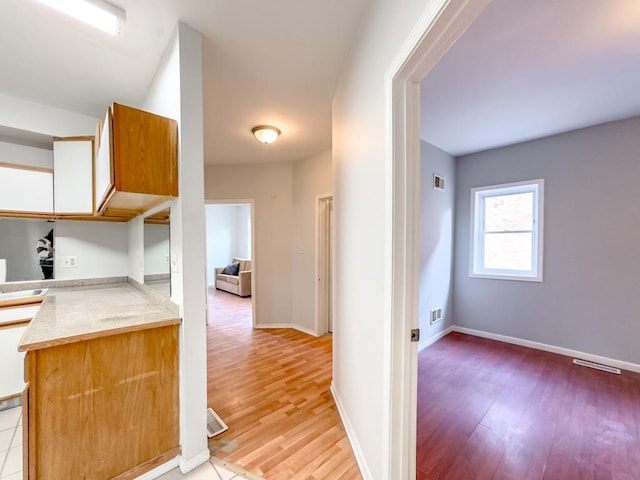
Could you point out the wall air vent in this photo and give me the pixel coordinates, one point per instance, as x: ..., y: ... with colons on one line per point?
x: 438, y: 182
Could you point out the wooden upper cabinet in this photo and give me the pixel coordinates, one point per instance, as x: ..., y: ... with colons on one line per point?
x: 137, y: 162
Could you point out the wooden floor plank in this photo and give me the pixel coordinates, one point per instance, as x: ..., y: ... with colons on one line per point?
x: 544, y: 418
x: 271, y: 387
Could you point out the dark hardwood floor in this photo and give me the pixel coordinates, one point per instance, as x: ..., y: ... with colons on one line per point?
x: 271, y: 387
x: 490, y: 410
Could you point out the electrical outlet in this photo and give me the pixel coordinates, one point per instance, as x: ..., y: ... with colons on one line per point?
x: 174, y: 263
x: 70, y: 262
x: 167, y: 259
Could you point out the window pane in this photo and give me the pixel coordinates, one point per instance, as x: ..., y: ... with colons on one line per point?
x: 507, y: 251
x: 508, y: 212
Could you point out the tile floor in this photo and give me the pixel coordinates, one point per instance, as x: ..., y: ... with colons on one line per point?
x: 11, y: 456
x: 11, y: 444
x: 216, y: 470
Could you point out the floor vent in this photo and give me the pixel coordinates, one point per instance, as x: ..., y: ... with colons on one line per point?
x: 597, y: 366
x: 215, y: 425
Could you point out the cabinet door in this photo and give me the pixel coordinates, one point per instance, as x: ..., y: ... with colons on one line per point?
x: 73, y: 176
x: 26, y: 189
x: 103, y: 174
x: 12, y: 361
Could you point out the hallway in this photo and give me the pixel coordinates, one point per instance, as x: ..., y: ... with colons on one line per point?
x: 271, y: 387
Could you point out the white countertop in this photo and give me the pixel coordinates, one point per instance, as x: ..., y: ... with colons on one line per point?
x: 80, y: 313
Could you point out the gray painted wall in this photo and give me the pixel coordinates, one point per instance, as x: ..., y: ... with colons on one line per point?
x: 436, y: 240
x: 590, y: 297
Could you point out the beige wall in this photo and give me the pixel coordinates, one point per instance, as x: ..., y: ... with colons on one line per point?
x: 284, y: 196
x: 311, y: 177
x: 270, y: 187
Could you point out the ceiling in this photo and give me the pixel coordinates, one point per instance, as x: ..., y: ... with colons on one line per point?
x: 528, y: 69
x: 275, y: 62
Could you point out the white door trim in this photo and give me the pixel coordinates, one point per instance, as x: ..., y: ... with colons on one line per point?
x: 440, y: 25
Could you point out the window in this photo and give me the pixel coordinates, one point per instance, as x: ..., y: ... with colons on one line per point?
x: 506, y: 231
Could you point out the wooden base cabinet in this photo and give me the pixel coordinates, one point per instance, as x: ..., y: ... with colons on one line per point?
x: 103, y: 408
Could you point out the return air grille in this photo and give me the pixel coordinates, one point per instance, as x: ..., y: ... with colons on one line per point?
x: 597, y: 366
x: 215, y: 425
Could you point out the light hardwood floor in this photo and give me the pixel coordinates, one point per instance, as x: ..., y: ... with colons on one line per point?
x: 271, y: 387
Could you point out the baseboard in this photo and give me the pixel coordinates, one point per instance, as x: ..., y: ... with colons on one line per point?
x: 612, y: 362
x: 287, y: 325
x: 160, y: 470
x: 187, y: 465
x: 355, y: 446
x: 431, y: 340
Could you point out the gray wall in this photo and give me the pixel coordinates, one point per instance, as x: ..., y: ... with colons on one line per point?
x: 18, y: 239
x: 436, y: 240
x: 590, y: 297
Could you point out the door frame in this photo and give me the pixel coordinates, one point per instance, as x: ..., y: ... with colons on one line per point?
x: 254, y: 263
x: 320, y: 325
x: 439, y: 26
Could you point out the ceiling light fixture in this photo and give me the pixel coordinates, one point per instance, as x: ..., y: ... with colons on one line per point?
x: 266, y: 133
x: 97, y: 13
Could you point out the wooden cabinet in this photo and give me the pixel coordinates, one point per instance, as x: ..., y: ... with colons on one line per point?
x: 73, y: 176
x: 103, y: 408
x: 137, y: 163
x: 27, y: 190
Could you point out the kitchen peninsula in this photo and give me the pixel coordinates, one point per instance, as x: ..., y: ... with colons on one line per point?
x: 101, y: 399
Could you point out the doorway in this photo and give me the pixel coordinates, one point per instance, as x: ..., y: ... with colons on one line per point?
x: 324, y: 264
x: 229, y: 237
x: 436, y: 30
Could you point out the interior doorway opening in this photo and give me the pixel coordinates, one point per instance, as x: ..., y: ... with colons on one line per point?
x: 324, y: 264
x: 230, y: 250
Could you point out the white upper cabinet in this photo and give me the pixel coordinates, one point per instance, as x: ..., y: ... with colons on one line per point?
x: 26, y: 189
x: 73, y: 176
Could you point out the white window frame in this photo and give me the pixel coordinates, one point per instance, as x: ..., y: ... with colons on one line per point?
x: 476, y: 269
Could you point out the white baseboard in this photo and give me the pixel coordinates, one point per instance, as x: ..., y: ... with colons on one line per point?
x: 355, y: 446
x: 612, y: 362
x: 287, y: 325
x: 187, y: 465
x: 431, y: 340
x: 160, y: 470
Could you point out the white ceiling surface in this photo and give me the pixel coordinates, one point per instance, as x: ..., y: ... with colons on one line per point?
x: 528, y: 69
x: 275, y: 62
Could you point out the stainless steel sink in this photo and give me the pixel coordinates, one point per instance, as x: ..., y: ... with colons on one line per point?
x: 38, y: 292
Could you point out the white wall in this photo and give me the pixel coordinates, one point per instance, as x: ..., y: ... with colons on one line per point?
x: 311, y: 177
x: 136, y: 250
x: 26, y: 155
x: 39, y: 118
x: 222, y: 237
x: 436, y: 241
x: 362, y: 231
x: 18, y: 239
x: 156, y: 249
x: 270, y: 187
x: 100, y: 248
x: 589, y: 298
x: 228, y: 233
x: 243, y: 231
x: 176, y: 92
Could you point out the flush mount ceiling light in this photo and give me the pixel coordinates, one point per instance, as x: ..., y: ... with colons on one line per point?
x: 97, y: 13
x: 266, y: 133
